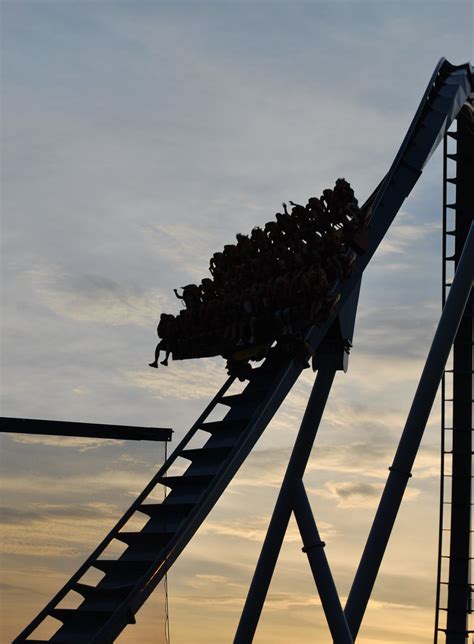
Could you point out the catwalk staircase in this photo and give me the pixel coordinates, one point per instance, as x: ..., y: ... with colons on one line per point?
x: 130, y: 578
x: 109, y: 605
x: 454, y: 583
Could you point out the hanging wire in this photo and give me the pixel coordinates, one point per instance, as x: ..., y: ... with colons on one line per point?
x: 165, y: 580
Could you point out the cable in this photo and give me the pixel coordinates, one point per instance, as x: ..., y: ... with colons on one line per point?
x: 165, y: 580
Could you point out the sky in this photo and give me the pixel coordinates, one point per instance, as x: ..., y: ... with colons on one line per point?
x: 137, y: 139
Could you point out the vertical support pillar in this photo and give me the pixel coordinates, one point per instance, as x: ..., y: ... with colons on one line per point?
x: 459, y: 582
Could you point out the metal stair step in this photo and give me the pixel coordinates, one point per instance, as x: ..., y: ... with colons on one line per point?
x: 206, y: 460
x: 97, y: 594
x: 202, y: 469
x: 166, y: 517
x: 152, y: 541
x: 120, y: 572
x: 225, y: 439
x: 167, y: 512
x: 186, y: 489
x: 185, y: 496
x: 244, y: 398
x: 223, y: 425
x: 200, y: 481
x: 206, y: 454
x: 145, y: 550
x: 204, y: 466
x: 80, y: 625
x: 80, y: 616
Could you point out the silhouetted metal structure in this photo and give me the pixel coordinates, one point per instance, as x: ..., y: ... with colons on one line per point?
x: 129, y: 578
x: 87, y: 430
x: 454, y: 587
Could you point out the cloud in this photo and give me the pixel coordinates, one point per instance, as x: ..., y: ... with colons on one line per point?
x: 16, y: 516
x: 66, y: 442
x: 183, y: 244
x: 411, y: 591
x: 368, y: 456
x: 45, y: 512
x: 182, y: 380
x: 264, y: 467
x: 116, y: 481
x: 371, y: 460
x: 255, y: 529
x: 12, y: 588
x: 275, y: 601
x: 54, y: 530
x: 359, y: 494
x: 406, y: 232
x: 400, y: 331
x: 94, y: 298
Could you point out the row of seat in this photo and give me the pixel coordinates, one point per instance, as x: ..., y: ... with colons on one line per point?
x: 273, y: 283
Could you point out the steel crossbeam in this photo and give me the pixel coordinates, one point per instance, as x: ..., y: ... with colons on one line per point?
x: 87, y: 430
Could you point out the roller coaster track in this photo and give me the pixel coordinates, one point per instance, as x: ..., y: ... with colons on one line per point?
x: 110, y: 605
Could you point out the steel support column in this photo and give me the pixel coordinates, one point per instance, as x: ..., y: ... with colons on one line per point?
x: 459, y: 583
x: 400, y: 471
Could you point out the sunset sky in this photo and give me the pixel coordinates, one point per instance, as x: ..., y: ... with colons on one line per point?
x: 138, y: 138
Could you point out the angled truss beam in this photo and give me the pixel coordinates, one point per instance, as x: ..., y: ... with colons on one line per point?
x: 314, y: 549
x: 283, y: 507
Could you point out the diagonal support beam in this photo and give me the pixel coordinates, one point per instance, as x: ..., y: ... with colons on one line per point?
x: 314, y: 549
x: 400, y: 471
x: 283, y: 508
